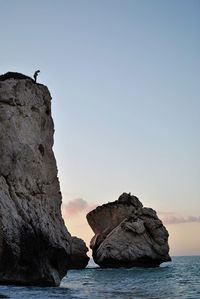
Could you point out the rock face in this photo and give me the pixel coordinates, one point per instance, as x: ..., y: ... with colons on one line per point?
x: 127, y: 235
x: 35, y: 245
x: 79, y: 258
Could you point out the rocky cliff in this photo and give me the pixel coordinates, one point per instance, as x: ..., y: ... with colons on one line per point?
x: 127, y: 234
x: 35, y: 245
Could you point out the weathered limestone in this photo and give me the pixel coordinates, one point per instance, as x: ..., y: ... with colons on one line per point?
x: 127, y: 234
x: 35, y: 245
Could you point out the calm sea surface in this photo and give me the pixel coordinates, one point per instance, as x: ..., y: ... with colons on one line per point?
x: 178, y: 279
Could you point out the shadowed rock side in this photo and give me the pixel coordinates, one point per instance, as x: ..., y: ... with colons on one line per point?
x: 34, y: 242
x: 79, y: 258
x: 14, y: 75
x: 127, y: 235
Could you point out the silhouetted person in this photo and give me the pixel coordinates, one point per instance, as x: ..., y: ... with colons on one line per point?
x: 36, y: 74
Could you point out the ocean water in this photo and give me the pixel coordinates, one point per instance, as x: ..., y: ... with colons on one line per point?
x: 178, y: 279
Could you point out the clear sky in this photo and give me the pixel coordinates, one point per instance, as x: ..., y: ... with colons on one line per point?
x: 125, y: 81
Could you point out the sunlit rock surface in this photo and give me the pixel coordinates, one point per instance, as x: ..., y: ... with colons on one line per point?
x: 35, y: 245
x: 127, y: 234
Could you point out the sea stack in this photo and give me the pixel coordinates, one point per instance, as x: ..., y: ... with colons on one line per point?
x: 127, y: 235
x: 35, y: 246
x: 79, y: 258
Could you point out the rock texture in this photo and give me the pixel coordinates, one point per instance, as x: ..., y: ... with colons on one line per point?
x: 35, y: 245
x: 127, y: 234
x: 79, y: 258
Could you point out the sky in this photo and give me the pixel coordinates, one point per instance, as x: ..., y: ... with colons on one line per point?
x: 124, y: 76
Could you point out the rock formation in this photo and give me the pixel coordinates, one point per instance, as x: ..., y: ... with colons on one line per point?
x: 127, y: 234
x: 14, y: 75
x: 35, y: 246
x: 79, y: 258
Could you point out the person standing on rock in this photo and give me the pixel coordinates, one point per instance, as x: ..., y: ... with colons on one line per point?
x: 35, y: 75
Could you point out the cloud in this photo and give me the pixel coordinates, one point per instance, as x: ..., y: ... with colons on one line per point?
x: 76, y: 206
x: 172, y: 218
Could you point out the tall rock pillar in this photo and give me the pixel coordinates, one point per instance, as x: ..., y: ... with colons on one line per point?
x: 34, y: 242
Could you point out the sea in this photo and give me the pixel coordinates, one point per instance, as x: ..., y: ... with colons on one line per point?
x: 178, y: 279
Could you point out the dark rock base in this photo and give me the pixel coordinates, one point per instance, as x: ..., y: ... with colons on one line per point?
x: 143, y: 263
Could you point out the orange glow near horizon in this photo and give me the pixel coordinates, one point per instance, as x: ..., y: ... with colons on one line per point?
x: 184, y: 239
x: 78, y: 226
